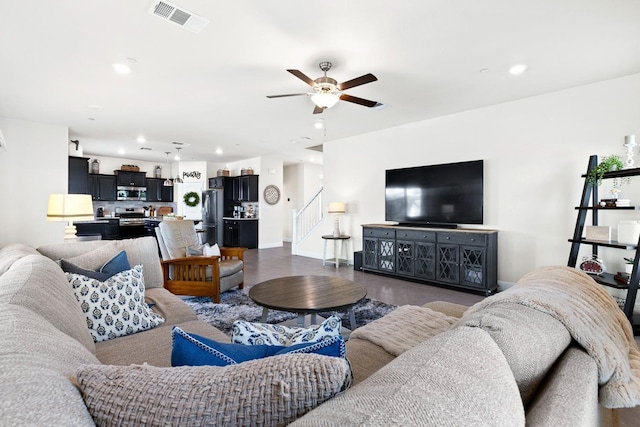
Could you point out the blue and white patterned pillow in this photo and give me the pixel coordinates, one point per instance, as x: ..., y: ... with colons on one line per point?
x: 265, y: 334
x: 115, y: 307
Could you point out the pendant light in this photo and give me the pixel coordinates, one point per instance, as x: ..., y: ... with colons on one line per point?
x: 178, y: 180
x: 167, y: 182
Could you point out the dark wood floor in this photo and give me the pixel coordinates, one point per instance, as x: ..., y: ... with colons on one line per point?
x: 265, y: 264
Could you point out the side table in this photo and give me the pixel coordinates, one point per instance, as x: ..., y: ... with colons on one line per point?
x: 340, y: 247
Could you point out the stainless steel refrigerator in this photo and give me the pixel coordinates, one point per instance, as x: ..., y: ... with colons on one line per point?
x: 212, y: 208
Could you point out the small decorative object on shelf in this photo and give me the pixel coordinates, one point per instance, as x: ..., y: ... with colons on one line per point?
x: 95, y: 166
x: 622, y: 278
x: 130, y: 168
x: 628, y: 233
x: 592, y: 264
x: 628, y: 265
x: 608, y: 203
x: 596, y: 232
x: 608, y: 164
x: 629, y: 143
x: 157, y: 172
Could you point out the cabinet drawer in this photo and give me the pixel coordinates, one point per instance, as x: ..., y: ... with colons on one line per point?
x: 379, y: 232
x: 463, y: 238
x: 425, y: 236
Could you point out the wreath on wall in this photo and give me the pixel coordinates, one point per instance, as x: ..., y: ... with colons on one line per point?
x: 191, y: 199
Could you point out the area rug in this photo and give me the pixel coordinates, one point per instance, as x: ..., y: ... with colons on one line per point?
x: 236, y: 305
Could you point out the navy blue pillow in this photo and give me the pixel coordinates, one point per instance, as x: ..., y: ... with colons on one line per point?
x: 115, y: 265
x: 194, y: 350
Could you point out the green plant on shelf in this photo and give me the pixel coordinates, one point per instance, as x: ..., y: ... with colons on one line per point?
x: 628, y: 260
x: 608, y: 164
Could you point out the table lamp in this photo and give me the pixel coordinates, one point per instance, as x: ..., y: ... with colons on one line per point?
x: 70, y: 208
x: 337, y: 208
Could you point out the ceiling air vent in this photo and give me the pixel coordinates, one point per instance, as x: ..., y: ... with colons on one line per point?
x: 178, y: 15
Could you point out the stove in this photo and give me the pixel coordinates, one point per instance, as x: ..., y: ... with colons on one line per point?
x: 129, y: 217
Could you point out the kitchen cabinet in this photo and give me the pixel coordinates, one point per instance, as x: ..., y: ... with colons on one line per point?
x: 157, y: 191
x: 131, y: 179
x: 102, y: 187
x: 248, y: 188
x: 108, y: 229
x: 240, y: 233
x: 464, y: 259
x: 78, y: 178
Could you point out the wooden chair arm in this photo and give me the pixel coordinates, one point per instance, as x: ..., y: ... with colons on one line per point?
x: 227, y: 253
x: 193, y: 260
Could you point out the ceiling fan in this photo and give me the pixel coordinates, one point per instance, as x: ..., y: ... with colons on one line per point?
x: 327, y: 91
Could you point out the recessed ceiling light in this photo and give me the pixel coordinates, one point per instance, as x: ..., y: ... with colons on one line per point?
x: 219, y: 151
x: 319, y: 124
x: 518, y: 69
x: 121, y: 151
x: 95, y: 107
x: 121, y: 68
x: 91, y: 118
x: 141, y: 139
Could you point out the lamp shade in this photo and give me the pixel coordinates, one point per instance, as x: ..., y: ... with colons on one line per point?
x: 70, y: 207
x: 337, y: 208
x: 325, y: 100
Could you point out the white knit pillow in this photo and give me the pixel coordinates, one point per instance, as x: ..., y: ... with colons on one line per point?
x: 115, y: 307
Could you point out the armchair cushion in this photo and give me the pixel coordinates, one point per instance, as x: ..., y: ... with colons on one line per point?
x: 230, y: 266
x: 178, y: 235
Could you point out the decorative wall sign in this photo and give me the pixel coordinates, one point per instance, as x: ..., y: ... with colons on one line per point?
x: 271, y: 194
x: 192, y: 174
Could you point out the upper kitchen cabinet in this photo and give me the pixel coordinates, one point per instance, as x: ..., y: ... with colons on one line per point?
x: 131, y: 179
x: 157, y: 191
x: 102, y: 187
x: 248, y: 188
x: 78, y: 175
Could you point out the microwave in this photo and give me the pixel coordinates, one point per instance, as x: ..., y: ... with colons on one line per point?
x: 131, y: 193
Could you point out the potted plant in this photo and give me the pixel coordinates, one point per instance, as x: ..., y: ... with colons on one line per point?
x: 628, y: 265
x: 608, y: 164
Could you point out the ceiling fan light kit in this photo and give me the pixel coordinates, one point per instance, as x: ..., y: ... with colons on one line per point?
x: 327, y: 91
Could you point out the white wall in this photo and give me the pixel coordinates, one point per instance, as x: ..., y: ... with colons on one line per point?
x: 300, y: 183
x: 34, y: 166
x: 534, y: 151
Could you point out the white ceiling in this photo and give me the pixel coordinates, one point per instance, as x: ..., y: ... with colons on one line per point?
x: 209, y: 90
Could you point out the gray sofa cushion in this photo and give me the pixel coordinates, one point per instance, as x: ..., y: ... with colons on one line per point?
x: 11, y: 253
x: 434, y: 384
x: 530, y: 340
x: 38, y: 283
x: 230, y: 267
x: 93, y: 254
x: 37, y: 362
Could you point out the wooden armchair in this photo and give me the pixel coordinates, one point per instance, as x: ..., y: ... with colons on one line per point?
x: 196, y: 275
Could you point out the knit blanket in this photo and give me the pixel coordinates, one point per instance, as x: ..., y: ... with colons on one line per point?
x: 594, y: 321
x: 404, y: 328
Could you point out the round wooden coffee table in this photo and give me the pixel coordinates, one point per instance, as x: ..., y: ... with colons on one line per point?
x: 308, y: 295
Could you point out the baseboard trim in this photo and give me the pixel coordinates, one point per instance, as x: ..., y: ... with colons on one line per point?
x: 270, y: 245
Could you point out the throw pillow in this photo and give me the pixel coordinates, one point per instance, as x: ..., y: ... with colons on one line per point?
x: 115, y: 265
x: 265, y: 334
x: 204, y: 250
x: 194, y: 350
x: 264, y: 392
x: 114, y: 307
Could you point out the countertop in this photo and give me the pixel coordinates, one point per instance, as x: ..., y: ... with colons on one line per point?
x: 239, y: 219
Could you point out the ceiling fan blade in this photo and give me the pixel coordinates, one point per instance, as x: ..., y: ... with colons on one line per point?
x: 357, y: 100
x: 303, y: 77
x: 289, y: 94
x: 318, y: 110
x: 367, y: 78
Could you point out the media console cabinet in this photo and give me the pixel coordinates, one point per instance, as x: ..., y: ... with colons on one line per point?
x: 460, y: 258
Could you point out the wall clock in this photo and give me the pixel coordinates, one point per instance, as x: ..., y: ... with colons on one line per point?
x: 271, y: 194
x: 592, y: 264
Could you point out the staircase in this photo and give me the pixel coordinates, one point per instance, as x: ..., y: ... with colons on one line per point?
x: 305, y: 220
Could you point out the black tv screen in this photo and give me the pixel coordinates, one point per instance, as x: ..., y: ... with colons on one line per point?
x: 446, y: 194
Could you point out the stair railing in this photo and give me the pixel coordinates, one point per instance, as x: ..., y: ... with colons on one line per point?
x: 305, y: 220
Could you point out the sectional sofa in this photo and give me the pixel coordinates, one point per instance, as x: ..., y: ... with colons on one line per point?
x: 505, y: 361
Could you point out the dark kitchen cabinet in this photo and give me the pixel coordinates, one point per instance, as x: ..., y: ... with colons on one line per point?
x: 102, y: 187
x: 240, y: 233
x: 107, y: 228
x: 131, y: 179
x: 78, y: 175
x: 157, y: 191
x: 248, y: 188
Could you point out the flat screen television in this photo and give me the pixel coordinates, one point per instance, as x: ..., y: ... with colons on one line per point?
x: 442, y: 195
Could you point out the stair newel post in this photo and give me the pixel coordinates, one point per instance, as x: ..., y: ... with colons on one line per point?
x: 588, y: 190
